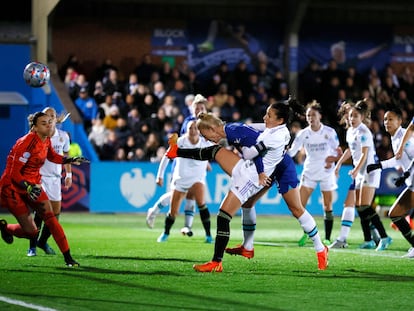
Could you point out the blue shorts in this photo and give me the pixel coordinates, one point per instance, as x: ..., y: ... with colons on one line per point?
x: 285, y: 175
x: 352, y: 185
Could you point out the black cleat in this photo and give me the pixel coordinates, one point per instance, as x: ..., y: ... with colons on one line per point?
x: 72, y: 263
x: 5, y: 235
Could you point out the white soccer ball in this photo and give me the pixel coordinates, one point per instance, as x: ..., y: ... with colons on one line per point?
x: 36, y: 74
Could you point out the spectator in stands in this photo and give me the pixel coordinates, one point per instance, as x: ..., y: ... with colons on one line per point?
x: 74, y: 87
x: 159, y: 91
x: 98, y: 93
x: 145, y: 69
x: 98, y: 136
x: 112, y: 83
x: 110, y: 121
x: 87, y: 108
x: 122, y: 131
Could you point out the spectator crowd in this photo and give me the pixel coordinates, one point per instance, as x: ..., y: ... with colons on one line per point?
x: 129, y: 119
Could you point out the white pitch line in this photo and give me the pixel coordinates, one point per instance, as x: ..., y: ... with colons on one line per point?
x: 24, y: 304
x: 389, y: 254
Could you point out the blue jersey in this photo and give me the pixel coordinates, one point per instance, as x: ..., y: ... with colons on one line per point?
x: 241, y: 135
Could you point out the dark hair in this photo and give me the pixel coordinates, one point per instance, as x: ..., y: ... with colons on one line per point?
x: 286, y: 109
x: 32, y: 119
x: 393, y: 107
x: 343, y: 113
x: 362, y: 107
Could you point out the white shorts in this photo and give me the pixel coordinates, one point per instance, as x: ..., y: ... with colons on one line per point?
x: 326, y: 184
x: 244, y: 180
x: 184, y: 184
x: 53, y: 187
x: 371, y: 179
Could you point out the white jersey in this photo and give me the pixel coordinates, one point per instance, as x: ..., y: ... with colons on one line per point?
x: 318, y: 145
x: 275, y: 139
x: 407, y: 156
x: 186, y: 171
x: 357, y: 138
x: 61, y: 144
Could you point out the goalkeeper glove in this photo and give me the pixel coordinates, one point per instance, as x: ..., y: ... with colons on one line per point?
x: 401, y: 180
x: 372, y: 167
x: 75, y: 160
x: 33, y: 191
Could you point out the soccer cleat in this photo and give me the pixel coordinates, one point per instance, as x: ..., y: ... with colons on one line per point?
x: 410, y: 253
x: 383, y: 244
x: 151, y: 214
x: 394, y: 226
x: 303, y: 240
x: 31, y: 252
x: 163, y: 238
x: 326, y: 242
x: 186, y: 231
x: 72, y: 263
x: 375, y: 235
x: 323, y: 258
x: 172, y: 149
x: 209, y: 239
x: 46, y: 248
x: 205, y: 47
x: 368, y: 245
x: 5, y: 235
x: 240, y: 250
x: 338, y: 244
x: 211, y: 266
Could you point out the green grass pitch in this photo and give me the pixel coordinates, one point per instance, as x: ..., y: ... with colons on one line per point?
x: 124, y: 268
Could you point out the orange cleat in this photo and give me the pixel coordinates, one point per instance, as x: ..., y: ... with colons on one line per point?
x: 240, y: 250
x: 323, y: 259
x: 172, y: 149
x: 211, y: 266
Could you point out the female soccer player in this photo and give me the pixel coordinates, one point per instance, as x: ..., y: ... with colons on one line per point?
x: 21, y: 188
x: 245, y: 180
x: 348, y: 212
x: 188, y: 175
x: 51, y: 181
x: 321, y: 145
x: 404, y: 202
x: 362, y: 150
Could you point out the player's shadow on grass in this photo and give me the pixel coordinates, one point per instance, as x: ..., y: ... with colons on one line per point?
x: 139, y: 258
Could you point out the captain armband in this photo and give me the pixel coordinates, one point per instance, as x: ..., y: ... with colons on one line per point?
x: 261, y: 148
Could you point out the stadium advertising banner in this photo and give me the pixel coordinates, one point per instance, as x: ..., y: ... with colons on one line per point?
x: 220, y: 41
x: 131, y: 188
x: 361, y: 46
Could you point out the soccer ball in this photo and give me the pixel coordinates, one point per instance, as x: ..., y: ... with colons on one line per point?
x: 36, y: 74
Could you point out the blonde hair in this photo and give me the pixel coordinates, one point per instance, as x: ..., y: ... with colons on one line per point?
x: 206, y: 120
x: 59, y: 118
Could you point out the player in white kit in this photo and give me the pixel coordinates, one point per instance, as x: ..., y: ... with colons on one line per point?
x: 362, y: 150
x: 402, y: 142
x: 52, y: 180
x: 188, y: 175
x: 321, y: 145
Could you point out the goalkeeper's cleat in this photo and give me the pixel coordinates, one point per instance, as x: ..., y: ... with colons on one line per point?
x: 172, y: 149
x: 31, y: 252
x: 5, y: 234
x: 209, y: 239
x: 323, y: 259
x: 240, y: 250
x: 72, y: 263
x: 206, y: 46
x: 368, y: 245
x: 46, y: 248
x: 303, y: 240
x: 410, y: 253
x: 211, y: 266
x: 338, y: 244
x: 151, y: 214
x: 186, y: 231
x: 163, y: 238
x: 383, y: 244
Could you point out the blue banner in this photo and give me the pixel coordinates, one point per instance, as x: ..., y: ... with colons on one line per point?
x: 130, y: 187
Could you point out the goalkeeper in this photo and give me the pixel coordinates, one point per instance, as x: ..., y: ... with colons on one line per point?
x: 403, y: 146
x: 21, y: 189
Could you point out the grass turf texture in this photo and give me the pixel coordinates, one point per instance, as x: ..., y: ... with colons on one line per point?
x: 124, y: 268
